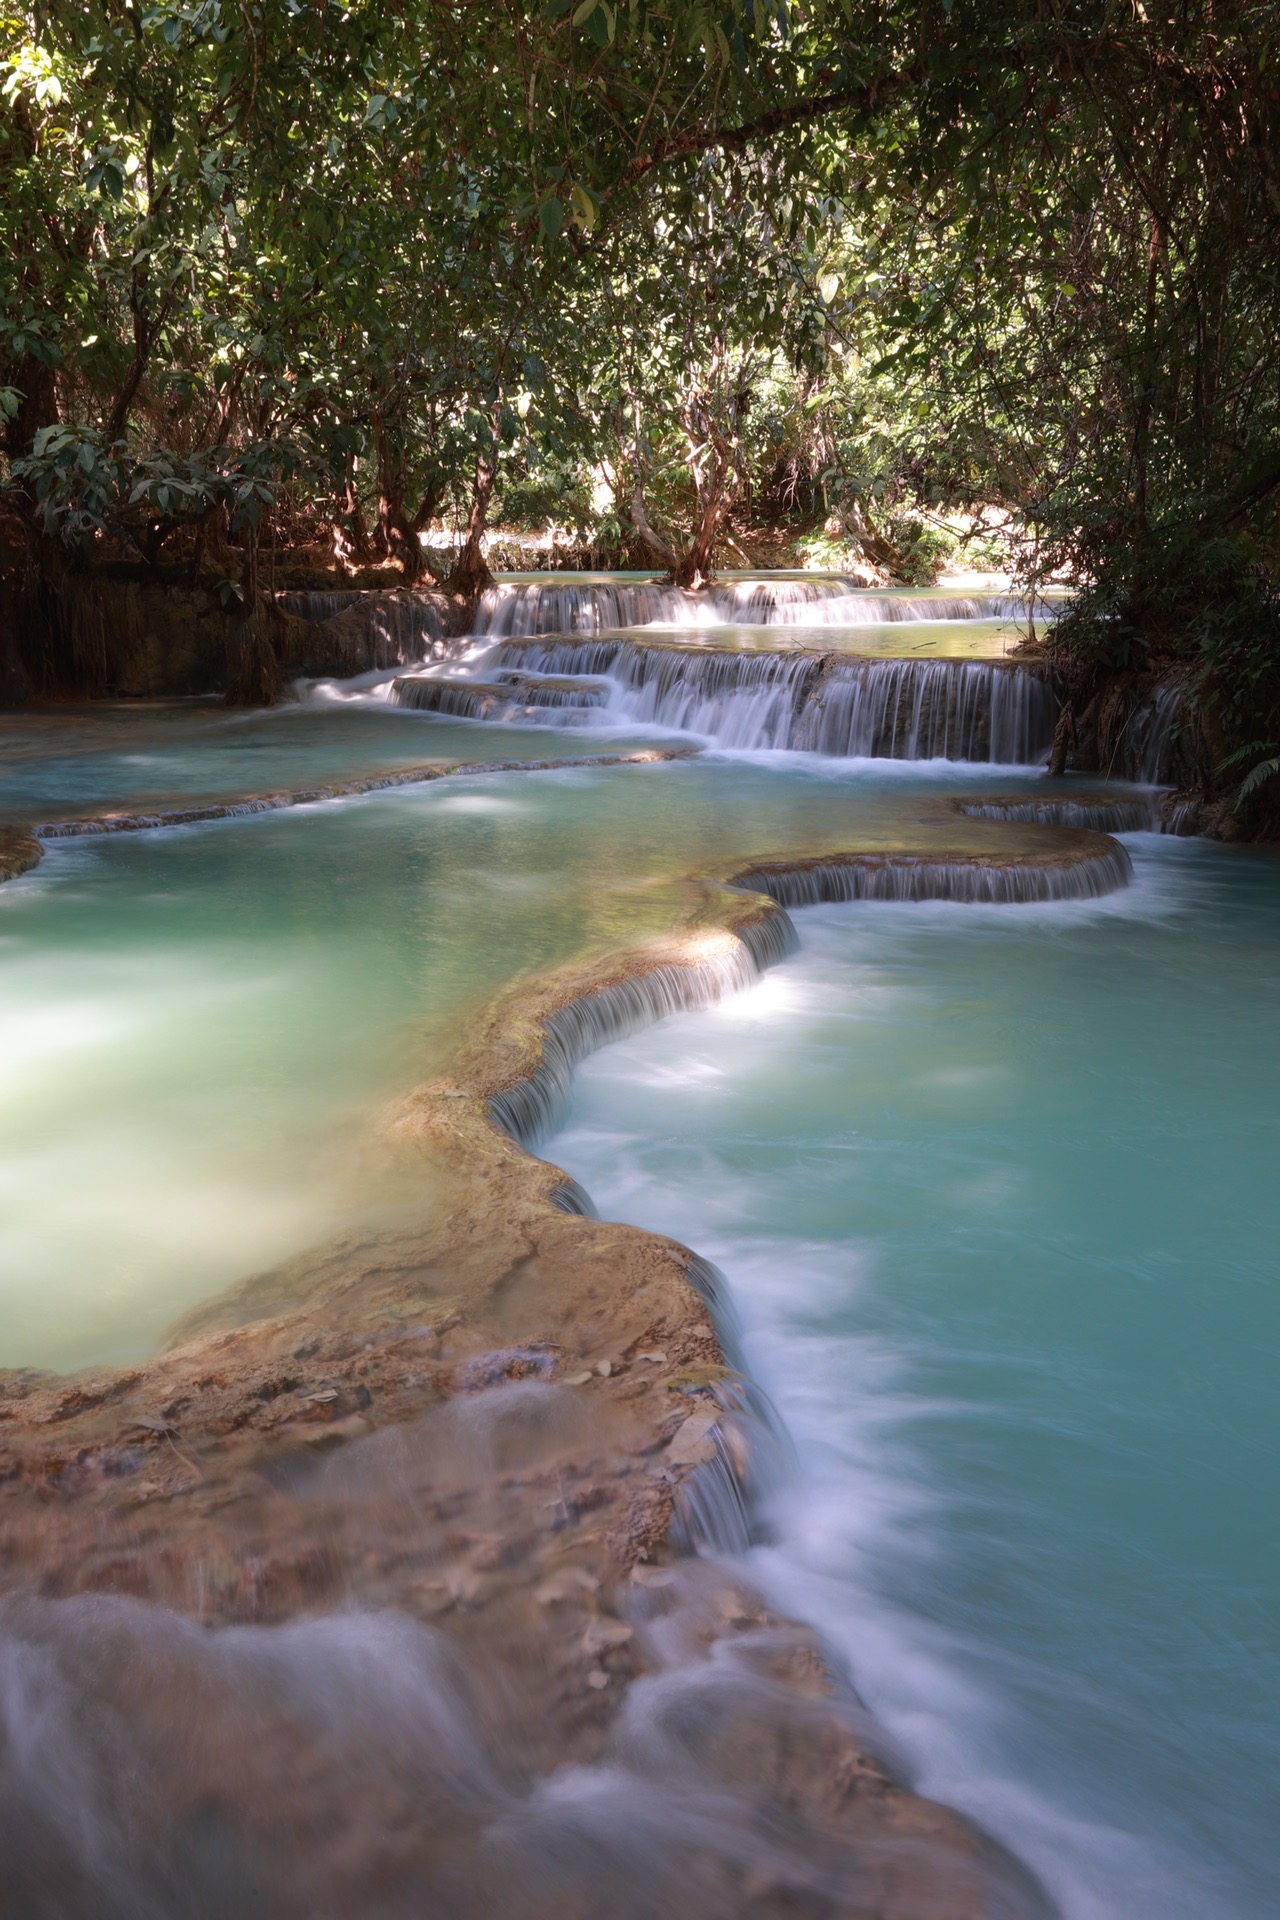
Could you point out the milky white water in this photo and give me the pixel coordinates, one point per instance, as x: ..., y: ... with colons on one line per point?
x: 994, y: 1190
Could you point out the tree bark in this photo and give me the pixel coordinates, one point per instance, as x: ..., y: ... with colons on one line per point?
x: 697, y: 563
x: 399, y: 534
x: 470, y: 575
x: 350, y: 535
x: 1064, y: 741
x: 665, y: 554
x: 257, y: 680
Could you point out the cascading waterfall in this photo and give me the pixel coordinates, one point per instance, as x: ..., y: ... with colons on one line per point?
x: 1103, y: 815
x: 908, y: 877
x: 928, y: 710
x: 822, y: 703
x: 1150, y: 738
x: 767, y: 604
x: 806, y: 701
x: 509, y: 610
x: 511, y: 697
x: 1147, y: 813
x: 533, y: 1107
x: 513, y: 609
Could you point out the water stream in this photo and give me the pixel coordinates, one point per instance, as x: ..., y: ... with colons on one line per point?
x: 992, y: 1191
x: 990, y: 1183
x: 812, y: 666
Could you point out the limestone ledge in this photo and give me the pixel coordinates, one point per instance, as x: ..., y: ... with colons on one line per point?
x: 19, y: 851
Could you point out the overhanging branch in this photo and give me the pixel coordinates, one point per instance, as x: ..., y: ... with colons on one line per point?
x: 698, y: 140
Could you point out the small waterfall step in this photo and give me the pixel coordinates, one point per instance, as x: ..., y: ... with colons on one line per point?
x: 511, y: 697
x: 805, y: 700
x: 511, y: 609
x: 1162, y: 811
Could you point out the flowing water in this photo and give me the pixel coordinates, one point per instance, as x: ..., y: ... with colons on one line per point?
x: 990, y: 1184
x: 820, y: 703
x: 993, y: 1193
x: 197, y: 1024
x: 585, y: 603
x: 810, y: 666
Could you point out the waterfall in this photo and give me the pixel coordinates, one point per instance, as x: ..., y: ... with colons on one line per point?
x: 534, y: 1107
x: 767, y: 604
x: 514, y: 697
x: 928, y: 710
x: 510, y: 609
x: 877, y: 876
x: 1149, y: 813
x: 822, y: 703
x: 513, y: 609
x: 1150, y: 737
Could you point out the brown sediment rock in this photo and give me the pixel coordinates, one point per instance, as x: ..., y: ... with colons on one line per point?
x: 488, y: 1426
x: 19, y: 851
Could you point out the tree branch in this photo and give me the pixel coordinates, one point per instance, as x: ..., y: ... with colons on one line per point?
x: 733, y: 139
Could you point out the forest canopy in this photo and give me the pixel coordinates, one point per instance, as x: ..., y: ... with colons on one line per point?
x: 289, y: 274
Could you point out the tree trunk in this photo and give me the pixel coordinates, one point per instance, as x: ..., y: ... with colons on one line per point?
x: 257, y: 680
x: 697, y: 563
x: 350, y: 535
x: 470, y: 575
x: 880, y: 551
x: 1064, y: 741
x: 398, y: 534
x: 666, y: 555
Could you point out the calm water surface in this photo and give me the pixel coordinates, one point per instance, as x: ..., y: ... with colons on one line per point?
x: 59, y: 763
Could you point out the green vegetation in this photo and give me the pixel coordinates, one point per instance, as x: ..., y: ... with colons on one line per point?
x: 294, y: 277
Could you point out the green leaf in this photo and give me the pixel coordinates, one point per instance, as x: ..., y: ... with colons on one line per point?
x: 1264, y: 771
x: 586, y: 208
x: 551, y: 216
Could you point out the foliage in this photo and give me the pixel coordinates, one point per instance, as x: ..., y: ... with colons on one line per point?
x: 918, y: 266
